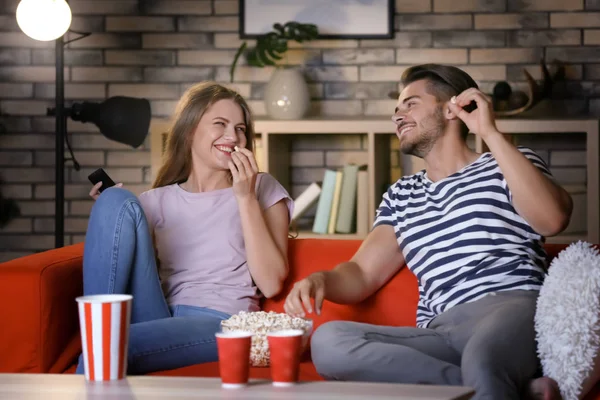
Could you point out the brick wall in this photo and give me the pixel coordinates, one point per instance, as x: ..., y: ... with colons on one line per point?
x: 157, y: 48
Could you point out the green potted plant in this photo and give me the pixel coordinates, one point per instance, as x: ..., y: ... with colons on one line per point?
x: 286, y: 95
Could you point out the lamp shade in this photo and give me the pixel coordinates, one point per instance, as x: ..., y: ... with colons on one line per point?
x: 122, y: 119
x: 44, y: 20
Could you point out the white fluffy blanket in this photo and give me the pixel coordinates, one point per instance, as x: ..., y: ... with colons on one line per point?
x: 567, y: 319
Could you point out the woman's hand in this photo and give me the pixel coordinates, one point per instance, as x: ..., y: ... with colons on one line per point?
x: 244, y: 170
x: 95, y: 192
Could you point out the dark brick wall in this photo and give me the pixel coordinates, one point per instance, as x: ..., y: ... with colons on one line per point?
x: 157, y: 48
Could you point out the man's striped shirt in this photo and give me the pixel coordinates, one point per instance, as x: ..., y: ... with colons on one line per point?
x: 462, y: 237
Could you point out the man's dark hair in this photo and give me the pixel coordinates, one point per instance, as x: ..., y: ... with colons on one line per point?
x: 443, y: 82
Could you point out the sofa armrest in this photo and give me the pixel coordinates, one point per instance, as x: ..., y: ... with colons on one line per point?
x: 38, y: 310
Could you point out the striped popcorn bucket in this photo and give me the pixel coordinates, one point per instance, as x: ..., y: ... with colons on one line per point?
x: 104, y: 323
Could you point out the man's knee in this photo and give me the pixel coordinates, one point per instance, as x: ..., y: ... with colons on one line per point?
x: 500, y: 375
x: 476, y: 365
x: 326, y: 334
x: 328, y: 351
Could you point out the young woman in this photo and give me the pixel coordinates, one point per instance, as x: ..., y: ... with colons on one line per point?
x: 206, y: 242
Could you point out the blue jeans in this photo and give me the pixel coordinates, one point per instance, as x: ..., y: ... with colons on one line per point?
x: 119, y: 258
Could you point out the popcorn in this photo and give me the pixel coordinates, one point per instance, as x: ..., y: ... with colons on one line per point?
x: 260, y: 323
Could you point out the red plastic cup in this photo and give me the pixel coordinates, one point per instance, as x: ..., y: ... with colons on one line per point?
x: 285, y: 347
x: 104, y: 324
x: 234, y: 358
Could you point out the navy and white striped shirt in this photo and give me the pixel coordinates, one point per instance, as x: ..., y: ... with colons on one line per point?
x: 462, y: 237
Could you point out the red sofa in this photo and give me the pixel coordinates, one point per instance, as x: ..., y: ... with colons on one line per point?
x: 40, y: 332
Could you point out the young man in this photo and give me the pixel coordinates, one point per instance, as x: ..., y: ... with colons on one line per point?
x: 471, y: 228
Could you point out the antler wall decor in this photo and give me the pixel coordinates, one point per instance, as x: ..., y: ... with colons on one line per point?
x: 535, y: 92
x: 509, y: 103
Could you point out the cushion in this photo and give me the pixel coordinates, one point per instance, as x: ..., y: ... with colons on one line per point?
x: 567, y: 320
x: 260, y: 323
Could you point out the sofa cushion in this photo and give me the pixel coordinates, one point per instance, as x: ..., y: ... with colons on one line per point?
x: 394, y: 304
x: 38, y: 310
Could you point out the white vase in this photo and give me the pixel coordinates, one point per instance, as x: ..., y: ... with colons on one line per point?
x: 286, y: 95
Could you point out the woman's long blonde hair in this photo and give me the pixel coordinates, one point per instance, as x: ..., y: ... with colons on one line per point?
x: 177, y: 166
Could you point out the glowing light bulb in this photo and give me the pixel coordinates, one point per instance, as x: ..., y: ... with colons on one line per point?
x: 44, y: 19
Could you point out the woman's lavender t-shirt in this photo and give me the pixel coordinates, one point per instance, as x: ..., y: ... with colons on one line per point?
x: 200, y: 245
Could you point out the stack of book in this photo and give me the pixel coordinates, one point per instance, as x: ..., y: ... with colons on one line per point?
x: 343, y: 201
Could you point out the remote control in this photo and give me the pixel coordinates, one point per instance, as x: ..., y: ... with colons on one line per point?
x: 100, y: 175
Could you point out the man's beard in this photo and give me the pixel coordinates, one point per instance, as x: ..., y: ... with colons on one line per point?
x: 429, y: 131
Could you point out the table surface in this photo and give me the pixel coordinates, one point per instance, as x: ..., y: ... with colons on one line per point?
x: 72, y: 387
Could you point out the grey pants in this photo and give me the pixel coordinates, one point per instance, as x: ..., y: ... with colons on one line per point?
x: 488, y: 344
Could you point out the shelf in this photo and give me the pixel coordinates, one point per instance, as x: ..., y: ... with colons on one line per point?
x: 276, y: 137
x: 560, y: 239
x: 566, y: 239
x: 336, y: 236
x: 325, y: 126
x: 379, y: 125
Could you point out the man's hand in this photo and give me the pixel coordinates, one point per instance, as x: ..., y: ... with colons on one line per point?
x: 375, y: 262
x: 545, y: 205
x: 479, y: 121
x: 298, y: 301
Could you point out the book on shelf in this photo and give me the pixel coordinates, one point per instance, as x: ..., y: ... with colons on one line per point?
x: 347, y: 202
x: 343, y: 204
x: 305, y: 200
x: 321, y: 222
x: 335, y: 204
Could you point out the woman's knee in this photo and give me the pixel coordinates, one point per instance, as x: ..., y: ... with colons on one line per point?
x: 115, y: 195
x: 113, y: 200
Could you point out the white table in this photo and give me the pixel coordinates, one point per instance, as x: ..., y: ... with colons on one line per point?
x: 74, y: 387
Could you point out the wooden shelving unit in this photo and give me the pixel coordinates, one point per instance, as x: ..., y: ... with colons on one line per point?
x: 337, y: 236
x: 276, y: 137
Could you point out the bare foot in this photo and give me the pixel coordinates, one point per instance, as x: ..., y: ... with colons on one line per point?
x: 543, y: 388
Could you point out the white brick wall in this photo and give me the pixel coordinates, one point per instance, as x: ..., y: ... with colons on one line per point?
x: 157, y: 49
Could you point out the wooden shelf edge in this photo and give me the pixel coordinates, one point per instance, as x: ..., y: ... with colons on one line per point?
x: 560, y: 239
x: 335, y: 236
x: 567, y: 238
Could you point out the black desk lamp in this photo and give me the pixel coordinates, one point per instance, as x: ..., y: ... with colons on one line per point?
x: 122, y: 119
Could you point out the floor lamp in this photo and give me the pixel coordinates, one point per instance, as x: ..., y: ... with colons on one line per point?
x: 122, y: 119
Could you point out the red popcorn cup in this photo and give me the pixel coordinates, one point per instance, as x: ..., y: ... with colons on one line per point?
x: 285, y: 347
x: 234, y: 358
x: 104, y: 324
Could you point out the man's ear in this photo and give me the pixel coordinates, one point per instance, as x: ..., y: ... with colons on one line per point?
x: 448, y: 113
